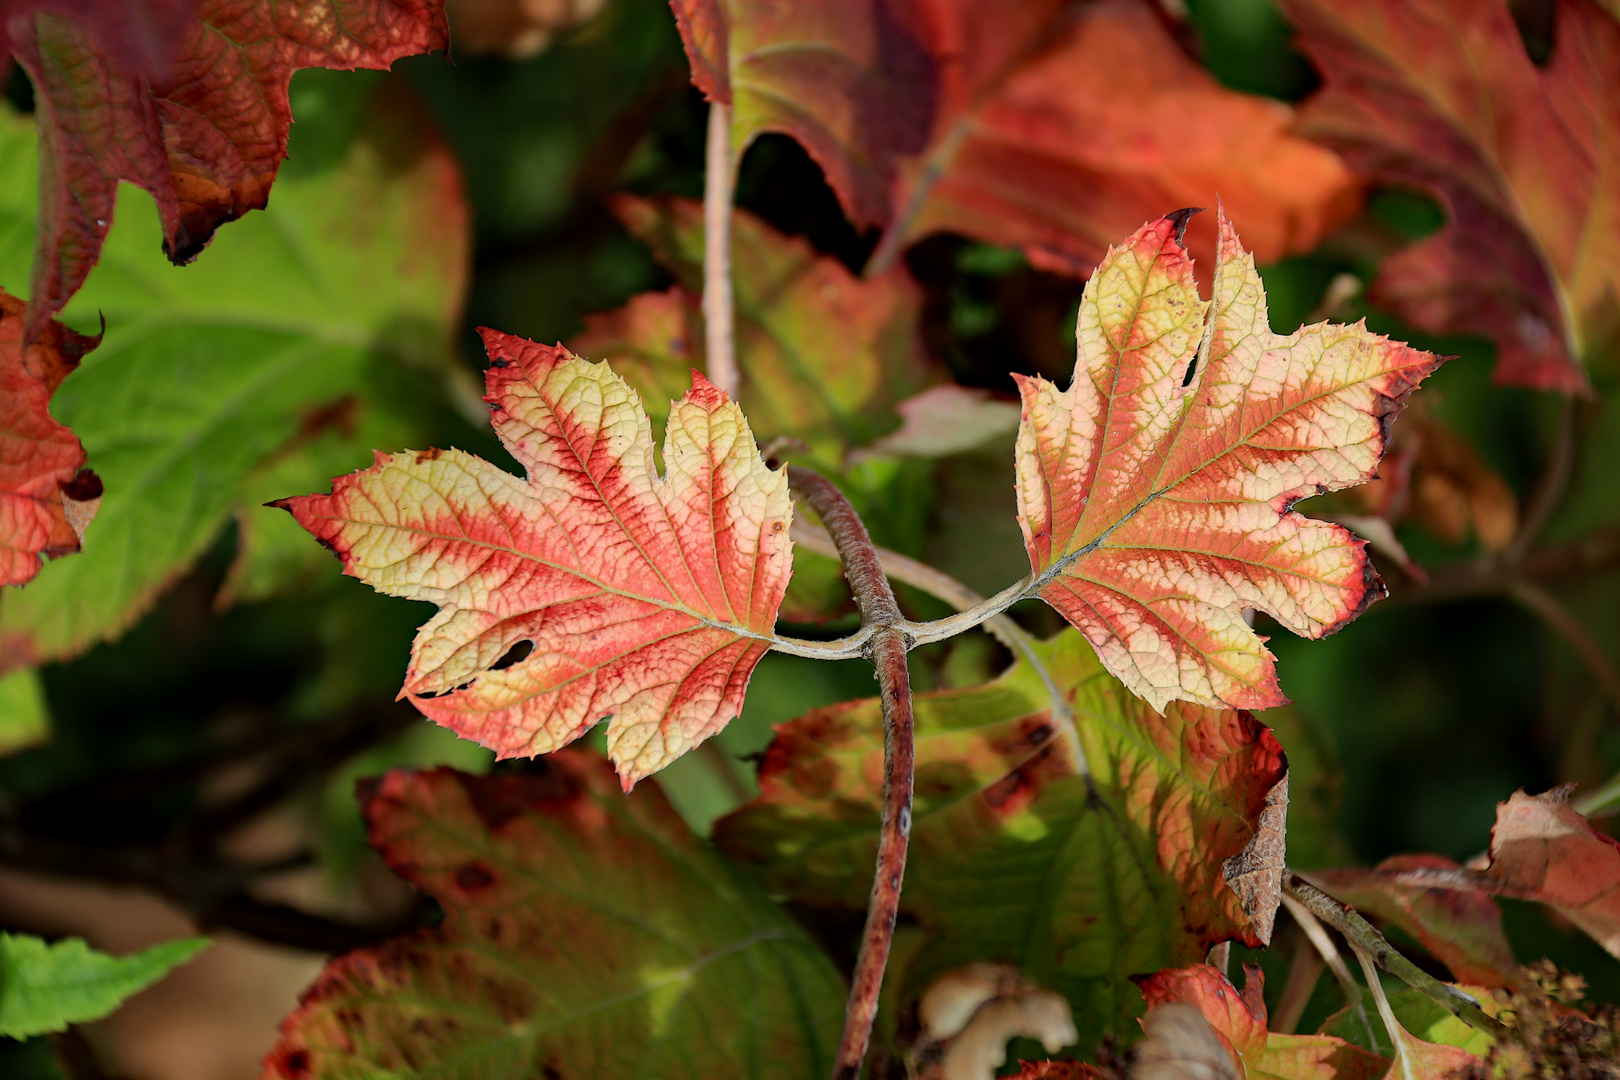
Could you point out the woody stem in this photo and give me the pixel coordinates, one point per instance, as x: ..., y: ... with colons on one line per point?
x: 886, y: 648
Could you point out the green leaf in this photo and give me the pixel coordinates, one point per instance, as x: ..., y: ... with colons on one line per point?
x: 45, y: 987
x: 1418, y: 1013
x: 258, y: 372
x: 25, y: 719
x: 1079, y: 883
x: 586, y: 933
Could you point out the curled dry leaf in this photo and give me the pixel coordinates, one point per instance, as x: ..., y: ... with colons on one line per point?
x: 1435, y: 477
x: 586, y: 935
x: 967, y: 1017
x: 47, y: 497
x: 1226, y: 1033
x: 592, y: 590
x: 204, y: 132
x: 1080, y: 882
x: 1156, y: 493
x: 1525, y: 161
x: 1044, y: 125
x: 1541, y: 849
x: 1461, y: 927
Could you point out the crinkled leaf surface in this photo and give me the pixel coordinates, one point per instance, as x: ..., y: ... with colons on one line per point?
x: 1541, y: 849
x: 1240, y: 1019
x: 585, y: 935
x: 1462, y: 928
x: 1156, y: 493
x: 625, y: 595
x: 825, y: 356
x: 45, y: 987
x: 1525, y: 161
x: 1078, y: 883
x: 1044, y: 125
x: 204, y: 131
x: 47, y: 497
x: 285, y: 353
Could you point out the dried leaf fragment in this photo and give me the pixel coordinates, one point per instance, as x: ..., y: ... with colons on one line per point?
x: 47, y: 497
x: 1156, y: 493
x: 593, y: 590
x: 1541, y: 849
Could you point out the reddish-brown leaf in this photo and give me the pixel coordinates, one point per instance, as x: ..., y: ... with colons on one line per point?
x: 204, y: 134
x: 586, y: 936
x: 1042, y: 124
x: 1525, y: 161
x: 594, y: 589
x: 46, y: 496
x: 1239, y: 1019
x: 141, y: 35
x: 1156, y: 493
x: 1541, y: 849
x: 1461, y: 927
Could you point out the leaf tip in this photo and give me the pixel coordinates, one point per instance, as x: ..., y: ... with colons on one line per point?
x: 1178, y: 220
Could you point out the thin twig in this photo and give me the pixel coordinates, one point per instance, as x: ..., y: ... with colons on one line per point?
x: 1329, y: 953
x: 880, y: 611
x: 1542, y: 604
x: 1303, y: 974
x: 719, y: 335
x: 1550, y: 490
x: 939, y: 584
x: 1403, y: 1063
x: 1361, y: 935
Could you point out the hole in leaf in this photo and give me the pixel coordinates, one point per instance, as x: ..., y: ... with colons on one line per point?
x: 514, y: 655
x: 441, y: 693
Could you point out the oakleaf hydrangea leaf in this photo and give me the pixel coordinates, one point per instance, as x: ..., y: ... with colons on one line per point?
x: 585, y: 934
x: 47, y: 497
x: 1240, y: 1021
x: 1156, y: 493
x: 204, y: 128
x: 594, y: 589
x: 45, y: 987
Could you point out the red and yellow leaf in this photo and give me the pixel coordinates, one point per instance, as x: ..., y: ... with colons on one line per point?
x: 1541, y: 849
x: 1240, y: 1021
x: 205, y: 132
x: 1156, y: 493
x: 47, y: 497
x: 1524, y: 160
x: 1461, y: 927
x: 594, y: 589
x: 586, y: 935
x: 1043, y: 125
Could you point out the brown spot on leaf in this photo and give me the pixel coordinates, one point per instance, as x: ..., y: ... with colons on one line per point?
x: 423, y: 456
x: 474, y: 876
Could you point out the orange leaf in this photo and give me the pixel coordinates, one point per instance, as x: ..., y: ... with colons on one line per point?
x: 46, y: 496
x: 1525, y: 162
x: 1541, y: 849
x: 593, y: 590
x: 203, y: 128
x: 1156, y: 493
x: 1043, y: 124
x: 1240, y: 1021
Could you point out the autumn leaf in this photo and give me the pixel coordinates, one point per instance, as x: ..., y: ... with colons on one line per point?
x: 1156, y: 493
x: 594, y: 589
x: 278, y: 366
x: 1541, y: 849
x: 204, y: 128
x: 1524, y: 160
x: 1462, y: 928
x: 47, y: 497
x: 1043, y: 125
x: 1239, y: 1019
x: 585, y: 935
x: 1077, y: 882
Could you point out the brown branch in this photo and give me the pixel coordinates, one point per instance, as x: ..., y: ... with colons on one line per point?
x: 1550, y: 490
x: 1544, y: 606
x: 887, y: 651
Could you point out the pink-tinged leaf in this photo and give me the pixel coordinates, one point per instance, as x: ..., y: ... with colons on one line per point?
x: 1044, y: 125
x: 140, y: 35
x: 1541, y: 849
x: 594, y: 589
x: 586, y: 936
x: 47, y: 497
x: 205, y: 137
x: 1156, y: 493
x: 1461, y: 927
x: 1525, y: 161
x: 1078, y: 882
x: 1239, y: 1019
